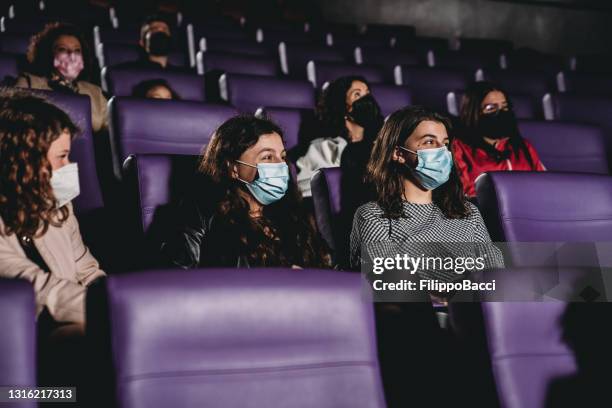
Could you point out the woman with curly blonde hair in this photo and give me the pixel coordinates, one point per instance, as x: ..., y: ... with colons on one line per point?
x: 40, y: 239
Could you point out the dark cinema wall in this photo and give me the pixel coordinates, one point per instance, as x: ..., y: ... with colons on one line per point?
x: 546, y: 28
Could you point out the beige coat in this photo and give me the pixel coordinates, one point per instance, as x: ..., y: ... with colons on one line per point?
x: 99, y: 111
x: 71, y: 264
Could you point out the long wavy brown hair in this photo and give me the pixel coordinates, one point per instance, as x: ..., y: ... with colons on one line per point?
x: 285, y: 235
x: 28, y: 126
x: 40, y: 50
x: 387, y: 175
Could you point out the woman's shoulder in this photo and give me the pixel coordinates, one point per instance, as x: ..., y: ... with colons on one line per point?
x: 328, y: 141
x: 369, y: 211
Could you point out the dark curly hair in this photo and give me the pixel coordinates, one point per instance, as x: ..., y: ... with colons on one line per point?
x: 331, y: 106
x: 28, y: 126
x: 40, y: 50
x: 387, y: 176
x: 294, y: 239
x: 470, y: 116
x: 142, y: 88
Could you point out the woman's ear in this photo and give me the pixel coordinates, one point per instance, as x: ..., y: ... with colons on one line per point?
x: 233, y: 170
x: 398, y: 156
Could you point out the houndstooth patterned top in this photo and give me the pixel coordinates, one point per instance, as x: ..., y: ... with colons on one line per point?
x: 422, y: 223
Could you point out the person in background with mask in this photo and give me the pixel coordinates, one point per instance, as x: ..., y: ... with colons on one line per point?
x: 419, y: 197
x: 348, y: 115
x: 245, y: 210
x: 59, y: 60
x: 490, y: 139
x: 40, y: 239
x: 155, y: 43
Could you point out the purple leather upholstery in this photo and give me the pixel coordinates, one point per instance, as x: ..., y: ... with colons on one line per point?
x: 422, y: 44
x: 154, y: 181
x: 391, y: 97
x: 110, y: 54
x: 163, y: 126
x: 529, y: 83
x: 18, y: 335
x: 430, y: 86
x: 124, y: 35
x: 121, y: 81
x: 388, y: 31
x: 389, y: 57
x: 230, y: 32
x: 326, y: 196
x: 322, y: 72
x: 526, y: 354
x: 290, y: 120
x: 484, y: 45
x: 9, y: 68
x: 464, y: 60
x: 244, y: 338
x: 236, y: 64
x: 600, y: 84
x: 14, y: 43
x: 248, y: 92
x: 593, y: 63
x: 545, y: 206
x: 82, y: 149
x: 241, y: 47
x: 295, y: 57
x: 594, y: 110
x: 531, y: 60
x: 273, y: 36
x: 569, y: 147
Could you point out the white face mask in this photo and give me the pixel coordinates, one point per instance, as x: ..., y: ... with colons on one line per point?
x: 65, y: 184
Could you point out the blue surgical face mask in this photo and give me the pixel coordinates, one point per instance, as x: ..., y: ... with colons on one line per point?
x: 433, y: 166
x: 271, y: 183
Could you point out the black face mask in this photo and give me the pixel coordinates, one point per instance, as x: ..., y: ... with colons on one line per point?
x: 498, y: 125
x: 158, y: 43
x: 366, y: 113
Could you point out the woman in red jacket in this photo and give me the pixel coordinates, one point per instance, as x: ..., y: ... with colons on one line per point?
x: 489, y: 139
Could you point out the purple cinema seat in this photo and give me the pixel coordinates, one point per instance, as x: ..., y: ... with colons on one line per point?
x: 110, y: 54
x: 273, y: 36
x: 591, y: 84
x: 290, y: 120
x: 9, y: 68
x: 14, y: 43
x: 526, y: 354
x: 533, y: 83
x: 249, y: 92
x: 108, y: 35
x: 530, y: 60
x: 236, y: 64
x: 566, y: 146
x: 421, y: 44
x: 82, y: 150
x: 391, y: 97
x: 326, y: 197
x: 388, y: 57
x: 163, y: 126
x: 119, y: 81
x: 430, y: 86
x: 322, y: 72
x: 390, y: 31
x: 241, y: 47
x: 295, y: 57
x: 18, y: 336
x: 546, y: 206
x: 464, y: 60
x: 485, y: 45
x: 154, y: 182
x: 592, y: 64
x: 245, y: 338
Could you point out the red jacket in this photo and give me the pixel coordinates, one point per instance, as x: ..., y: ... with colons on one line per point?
x: 471, y: 164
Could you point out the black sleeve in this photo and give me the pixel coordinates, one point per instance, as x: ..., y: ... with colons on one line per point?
x: 183, y: 247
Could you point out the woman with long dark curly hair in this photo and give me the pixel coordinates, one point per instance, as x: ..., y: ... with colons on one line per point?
x: 489, y: 139
x: 39, y: 234
x: 59, y: 59
x: 349, y: 118
x: 246, y: 211
x: 419, y: 197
